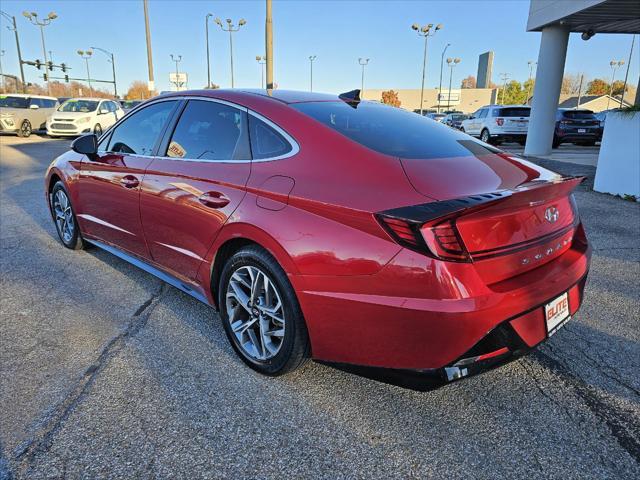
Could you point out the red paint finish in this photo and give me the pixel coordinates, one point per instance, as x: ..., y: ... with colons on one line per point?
x: 366, y: 299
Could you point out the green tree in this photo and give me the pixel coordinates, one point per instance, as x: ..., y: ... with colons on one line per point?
x: 514, y: 94
x: 618, y: 86
x: 597, y: 86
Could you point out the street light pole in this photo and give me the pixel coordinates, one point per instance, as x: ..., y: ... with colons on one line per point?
x: 33, y: 18
x: 614, y: 65
x: 505, y: 77
x: 268, y: 41
x: 86, y: 56
x: 177, y: 59
x: 231, y: 28
x: 15, y: 31
x: 441, y: 66
x: 452, y: 62
x: 364, y: 62
x: 151, y: 85
x: 426, y: 32
x: 206, y: 29
x: 113, y: 68
x: 261, y: 61
x: 311, y: 59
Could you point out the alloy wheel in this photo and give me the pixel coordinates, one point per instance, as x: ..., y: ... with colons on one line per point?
x: 485, y: 136
x: 64, y: 216
x: 25, y: 128
x: 256, y: 313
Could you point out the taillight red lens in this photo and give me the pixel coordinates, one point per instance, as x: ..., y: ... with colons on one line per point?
x: 500, y: 121
x: 403, y: 231
x: 444, y: 241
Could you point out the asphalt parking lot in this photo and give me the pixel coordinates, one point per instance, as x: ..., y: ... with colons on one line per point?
x: 105, y: 372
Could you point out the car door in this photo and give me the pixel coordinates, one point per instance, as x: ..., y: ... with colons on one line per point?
x: 38, y: 114
x: 109, y: 183
x: 189, y: 192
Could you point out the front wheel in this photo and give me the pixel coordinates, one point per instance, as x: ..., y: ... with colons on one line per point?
x: 25, y: 129
x: 261, y: 314
x: 64, y: 218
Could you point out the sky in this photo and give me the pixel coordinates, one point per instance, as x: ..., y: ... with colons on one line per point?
x: 337, y: 32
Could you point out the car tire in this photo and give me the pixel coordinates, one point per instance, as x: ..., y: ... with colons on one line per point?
x: 64, y: 217
x: 25, y: 129
x: 97, y: 130
x: 484, y: 136
x: 246, y: 322
x: 462, y: 130
x: 522, y: 142
x: 556, y: 142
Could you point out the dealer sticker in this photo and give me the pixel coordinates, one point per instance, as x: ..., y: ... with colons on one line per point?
x: 557, y: 313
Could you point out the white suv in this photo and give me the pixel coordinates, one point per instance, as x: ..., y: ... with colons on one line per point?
x: 499, y: 123
x: 83, y: 115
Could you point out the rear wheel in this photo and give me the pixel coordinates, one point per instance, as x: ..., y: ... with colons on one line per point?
x: 556, y: 142
x: 261, y: 314
x: 97, y: 129
x: 484, y: 136
x: 25, y: 129
x: 64, y: 218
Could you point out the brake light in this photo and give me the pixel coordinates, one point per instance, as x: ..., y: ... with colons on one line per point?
x: 500, y: 121
x: 439, y: 239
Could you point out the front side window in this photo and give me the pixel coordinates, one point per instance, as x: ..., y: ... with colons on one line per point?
x: 8, y: 101
x: 210, y: 131
x: 139, y: 133
x: 78, y: 106
x: 392, y: 131
x: 266, y: 142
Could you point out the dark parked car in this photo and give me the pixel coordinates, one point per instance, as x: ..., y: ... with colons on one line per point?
x: 454, y: 120
x: 576, y: 126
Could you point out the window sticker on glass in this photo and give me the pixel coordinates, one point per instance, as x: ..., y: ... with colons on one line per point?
x: 175, y: 150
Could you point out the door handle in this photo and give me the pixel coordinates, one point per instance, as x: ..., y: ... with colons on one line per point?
x: 129, y: 181
x: 213, y: 200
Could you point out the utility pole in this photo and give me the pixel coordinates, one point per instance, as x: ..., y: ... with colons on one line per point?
x: 425, y: 32
x: 268, y: 32
x: 86, y: 56
x: 626, y: 75
x: 531, y: 65
x: 151, y: 85
x: 15, y: 31
x: 452, y: 62
x: 441, y: 66
x: 33, y: 18
x: 504, y: 77
x: 177, y: 59
x: 364, y: 62
x: 1, y: 72
x: 231, y: 28
x: 113, y: 68
x: 311, y: 59
x: 580, y: 91
x: 206, y: 30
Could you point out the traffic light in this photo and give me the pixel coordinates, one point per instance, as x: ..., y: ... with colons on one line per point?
x: 66, y: 78
x: 37, y: 64
x: 63, y: 66
x: 44, y: 77
x: 50, y: 65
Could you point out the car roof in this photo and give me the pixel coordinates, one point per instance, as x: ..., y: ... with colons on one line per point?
x: 91, y: 99
x: 27, y: 95
x: 283, y: 96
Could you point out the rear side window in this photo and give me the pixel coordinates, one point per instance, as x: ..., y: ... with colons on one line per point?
x: 266, y: 142
x: 139, y: 133
x: 210, y: 131
x: 393, y: 131
x: 580, y: 114
x: 512, y: 112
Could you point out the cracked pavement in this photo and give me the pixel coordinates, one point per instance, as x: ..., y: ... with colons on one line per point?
x: 106, y: 372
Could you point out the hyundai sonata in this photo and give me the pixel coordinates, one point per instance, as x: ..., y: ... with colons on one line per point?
x: 327, y: 227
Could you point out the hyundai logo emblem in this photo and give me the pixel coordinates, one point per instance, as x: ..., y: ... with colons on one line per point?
x: 551, y: 214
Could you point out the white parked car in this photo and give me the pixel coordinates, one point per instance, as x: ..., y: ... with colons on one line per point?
x: 23, y: 113
x: 83, y: 115
x: 499, y: 123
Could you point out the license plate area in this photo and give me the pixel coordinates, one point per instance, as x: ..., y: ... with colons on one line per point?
x: 557, y: 313
x: 582, y: 130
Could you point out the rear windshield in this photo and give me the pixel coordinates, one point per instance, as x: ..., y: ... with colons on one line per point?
x: 14, y: 102
x: 579, y: 114
x: 78, y: 106
x: 393, y: 131
x: 512, y: 112
x: 459, y: 117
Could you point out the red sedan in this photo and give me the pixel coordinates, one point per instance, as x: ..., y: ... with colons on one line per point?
x: 326, y: 227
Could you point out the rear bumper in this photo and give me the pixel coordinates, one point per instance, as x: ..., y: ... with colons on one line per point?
x: 509, y: 136
x: 426, y: 318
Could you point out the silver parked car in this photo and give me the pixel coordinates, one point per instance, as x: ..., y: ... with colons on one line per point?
x: 24, y: 113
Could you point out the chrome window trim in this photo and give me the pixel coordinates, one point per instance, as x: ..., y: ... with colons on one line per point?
x: 295, y: 147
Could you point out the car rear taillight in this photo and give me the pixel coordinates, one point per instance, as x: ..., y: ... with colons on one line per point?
x: 439, y: 238
x: 566, y: 122
x: 500, y: 121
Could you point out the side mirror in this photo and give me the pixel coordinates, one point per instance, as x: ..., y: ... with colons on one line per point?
x: 86, y: 144
x: 103, y: 111
x: 33, y: 106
